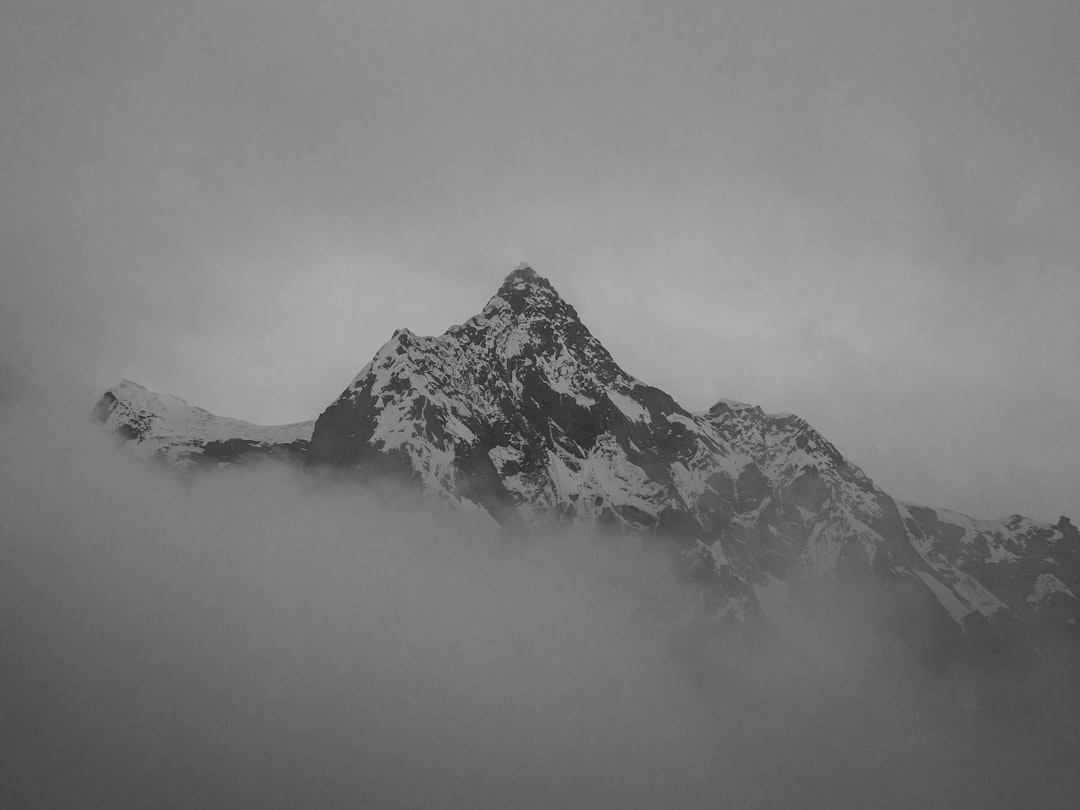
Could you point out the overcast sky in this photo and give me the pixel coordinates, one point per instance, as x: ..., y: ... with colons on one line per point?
x: 866, y: 213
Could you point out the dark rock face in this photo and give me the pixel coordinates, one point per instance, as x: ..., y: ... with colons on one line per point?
x: 246, y: 451
x: 522, y: 411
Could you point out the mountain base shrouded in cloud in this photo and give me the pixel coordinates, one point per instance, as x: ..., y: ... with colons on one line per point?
x: 520, y: 415
x: 258, y: 637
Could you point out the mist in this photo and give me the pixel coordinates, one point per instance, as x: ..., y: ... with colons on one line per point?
x: 263, y: 638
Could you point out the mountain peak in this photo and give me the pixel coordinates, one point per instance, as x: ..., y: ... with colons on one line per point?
x: 527, y: 292
x: 524, y: 274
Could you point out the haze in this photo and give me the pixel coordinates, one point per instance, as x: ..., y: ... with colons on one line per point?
x: 864, y: 213
x: 261, y: 639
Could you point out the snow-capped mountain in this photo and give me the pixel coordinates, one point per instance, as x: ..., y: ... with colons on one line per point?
x: 522, y: 411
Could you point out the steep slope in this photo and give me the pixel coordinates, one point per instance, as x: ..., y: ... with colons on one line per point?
x: 520, y: 408
x: 166, y: 427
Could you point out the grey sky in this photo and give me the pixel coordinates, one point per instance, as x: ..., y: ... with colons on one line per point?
x: 862, y: 212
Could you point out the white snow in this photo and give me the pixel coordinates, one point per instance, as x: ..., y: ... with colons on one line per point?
x: 675, y: 416
x: 1046, y: 585
x: 500, y: 456
x: 562, y: 385
x: 945, y: 596
x: 631, y: 408
x: 822, y: 549
x: 969, y: 592
x: 172, y: 427
x: 517, y: 340
x: 972, y: 591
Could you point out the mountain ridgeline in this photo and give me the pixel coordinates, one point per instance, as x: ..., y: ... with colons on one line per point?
x: 521, y: 411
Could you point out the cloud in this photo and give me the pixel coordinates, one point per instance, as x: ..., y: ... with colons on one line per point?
x: 264, y: 639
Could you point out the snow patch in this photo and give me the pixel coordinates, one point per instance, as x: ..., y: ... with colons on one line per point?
x: 1046, y: 585
x: 945, y: 596
x: 631, y: 408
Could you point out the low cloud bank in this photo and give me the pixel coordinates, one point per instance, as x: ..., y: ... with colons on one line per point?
x: 259, y: 639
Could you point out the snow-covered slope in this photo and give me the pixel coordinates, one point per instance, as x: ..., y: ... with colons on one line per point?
x: 522, y: 411
x: 520, y: 407
x: 1031, y: 569
x: 161, y: 425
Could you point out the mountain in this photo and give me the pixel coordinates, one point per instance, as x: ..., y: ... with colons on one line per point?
x: 522, y: 411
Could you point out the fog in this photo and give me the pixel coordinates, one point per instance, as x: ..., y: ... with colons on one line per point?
x: 261, y: 639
